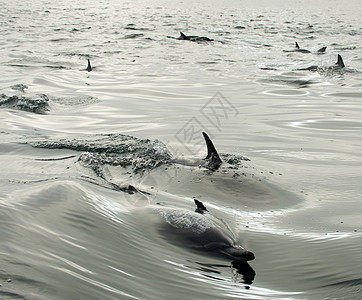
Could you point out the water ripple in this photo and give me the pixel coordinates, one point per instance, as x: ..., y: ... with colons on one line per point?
x: 328, y: 125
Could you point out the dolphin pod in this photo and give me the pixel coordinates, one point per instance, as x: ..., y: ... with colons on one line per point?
x: 195, y: 38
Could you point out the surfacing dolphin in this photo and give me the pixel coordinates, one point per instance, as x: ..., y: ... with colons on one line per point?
x: 300, y: 50
x: 200, y: 230
x: 339, y: 65
x: 194, y: 38
x: 226, y: 178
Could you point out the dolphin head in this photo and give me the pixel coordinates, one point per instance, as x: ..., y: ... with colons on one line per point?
x: 239, y: 253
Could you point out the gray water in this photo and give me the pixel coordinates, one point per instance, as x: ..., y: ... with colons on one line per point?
x: 72, y: 141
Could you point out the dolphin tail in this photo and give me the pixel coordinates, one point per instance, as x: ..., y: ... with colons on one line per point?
x: 340, y: 62
x: 321, y: 50
x: 296, y: 45
x: 200, y: 207
x: 89, y: 67
x: 212, y: 155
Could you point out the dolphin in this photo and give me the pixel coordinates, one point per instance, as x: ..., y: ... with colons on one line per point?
x: 300, y: 50
x: 89, y: 67
x: 198, y: 230
x: 339, y: 65
x: 194, y: 38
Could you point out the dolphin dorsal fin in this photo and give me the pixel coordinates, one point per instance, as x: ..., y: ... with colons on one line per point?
x: 200, y: 207
x: 340, y: 62
x: 296, y: 45
x: 212, y: 155
x: 182, y: 36
x: 323, y: 49
x: 89, y: 67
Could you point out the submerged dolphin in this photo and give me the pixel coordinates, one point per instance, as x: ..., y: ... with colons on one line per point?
x: 339, y: 65
x: 194, y: 38
x: 201, y: 231
x: 298, y: 49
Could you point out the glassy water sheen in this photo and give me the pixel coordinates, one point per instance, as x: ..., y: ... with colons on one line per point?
x: 73, y: 141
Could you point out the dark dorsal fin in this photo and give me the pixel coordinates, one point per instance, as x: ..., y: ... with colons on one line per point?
x: 296, y: 45
x: 340, y: 62
x: 200, y: 207
x: 89, y: 67
x: 182, y: 36
x: 132, y: 189
x: 212, y: 155
x: 323, y: 49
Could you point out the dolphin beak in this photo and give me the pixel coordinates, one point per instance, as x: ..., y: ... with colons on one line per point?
x: 239, y: 253
x: 249, y: 255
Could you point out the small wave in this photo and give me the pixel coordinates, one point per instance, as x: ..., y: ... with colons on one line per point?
x: 19, y: 87
x: 345, y: 95
x: 286, y: 92
x: 37, y: 104
x: 235, y: 160
x: 55, y: 67
x: 113, y: 149
x: 352, y: 282
x: 40, y: 104
x: 75, y: 101
x: 133, y: 27
x: 329, y: 125
x: 133, y: 36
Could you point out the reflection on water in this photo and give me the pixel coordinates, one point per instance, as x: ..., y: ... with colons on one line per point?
x: 245, y: 270
x: 329, y: 125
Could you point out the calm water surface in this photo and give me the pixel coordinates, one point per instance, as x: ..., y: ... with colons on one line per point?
x: 68, y: 231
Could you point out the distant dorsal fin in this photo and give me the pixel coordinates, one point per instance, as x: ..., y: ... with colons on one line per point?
x: 340, y: 62
x: 212, y: 155
x: 323, y: 49
x: 89, y: 67
x: 182, y: 36
x: 296, y: 45
x: 200, y: 207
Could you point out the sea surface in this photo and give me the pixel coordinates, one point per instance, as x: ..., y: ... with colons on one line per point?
x: 87, y: 156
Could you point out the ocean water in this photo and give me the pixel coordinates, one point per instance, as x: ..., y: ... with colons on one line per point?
x: 72, y: 142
